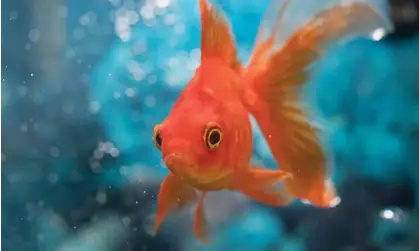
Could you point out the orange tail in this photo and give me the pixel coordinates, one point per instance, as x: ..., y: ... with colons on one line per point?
x: 269, y: 76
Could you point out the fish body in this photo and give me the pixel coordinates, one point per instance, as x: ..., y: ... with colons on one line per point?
x: 206, y: 140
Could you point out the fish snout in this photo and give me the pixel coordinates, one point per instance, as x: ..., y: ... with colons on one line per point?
x: 179, y: 164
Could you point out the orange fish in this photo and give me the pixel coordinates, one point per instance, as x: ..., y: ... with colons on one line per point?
x: 206, y: 140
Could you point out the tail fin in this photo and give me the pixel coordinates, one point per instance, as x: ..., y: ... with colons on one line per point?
x: 284, y: 123
x: 217, y: 39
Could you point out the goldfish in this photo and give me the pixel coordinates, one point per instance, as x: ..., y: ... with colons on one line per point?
x: 206, y: 141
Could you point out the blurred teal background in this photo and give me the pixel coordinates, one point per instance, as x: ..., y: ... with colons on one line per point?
x: 84, y: 82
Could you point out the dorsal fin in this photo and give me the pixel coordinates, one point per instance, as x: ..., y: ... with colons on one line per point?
x: 217, y: 39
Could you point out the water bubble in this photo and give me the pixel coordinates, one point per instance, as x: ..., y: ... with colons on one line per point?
x: 114, y: 152
x: 97, y: 154
x: 24, y: 127
x: 147, y: 11
x: 40, y: 237
x: 84, y: 20
x: 387, y: 214
x: 54, y: 151
x: 130, y: 92
x: 13, y: 15
x: 150, y: 101
x: 162, y: 3
x: 78, y: 34
x: 179, y: 29
x: 101, y: 198
x: 116, y: 95
x: 133, y: 17
x: 126, y: 221
x: 94, y: 107
x: 52, y: 178
x: 34, y: 35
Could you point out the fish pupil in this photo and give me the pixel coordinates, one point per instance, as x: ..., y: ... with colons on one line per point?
x: 158, y: 139
x: 214, y: 137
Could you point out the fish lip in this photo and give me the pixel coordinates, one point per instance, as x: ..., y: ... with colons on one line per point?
x: 180, y: 165
x: 183, y: 167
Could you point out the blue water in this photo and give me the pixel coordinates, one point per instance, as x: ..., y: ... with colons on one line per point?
x: 84, y: 83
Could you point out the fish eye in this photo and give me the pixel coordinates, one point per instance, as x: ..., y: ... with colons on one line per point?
x: 157, y: 138
x: 213, y: 136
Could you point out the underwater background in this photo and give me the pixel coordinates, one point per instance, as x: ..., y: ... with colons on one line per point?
x: 84, y: 83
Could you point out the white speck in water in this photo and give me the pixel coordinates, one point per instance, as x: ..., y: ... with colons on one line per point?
x: 101, y: 198
x: 378, y: 34
x: 34, y: 35
x: 387, y: 214
x: 32, y: 74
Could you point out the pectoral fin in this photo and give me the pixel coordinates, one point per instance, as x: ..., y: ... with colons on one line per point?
x: 259, y: 184
x: 174, y: 195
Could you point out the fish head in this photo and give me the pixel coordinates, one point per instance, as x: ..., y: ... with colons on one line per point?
x: 203, y: 140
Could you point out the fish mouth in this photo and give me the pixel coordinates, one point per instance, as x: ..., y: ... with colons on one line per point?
x: 179, y: 164
x: 200, y: 177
